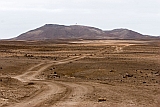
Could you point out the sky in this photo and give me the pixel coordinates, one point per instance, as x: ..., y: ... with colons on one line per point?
x: 20, y: 16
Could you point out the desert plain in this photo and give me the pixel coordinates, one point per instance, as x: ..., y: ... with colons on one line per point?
x: 80, y: 73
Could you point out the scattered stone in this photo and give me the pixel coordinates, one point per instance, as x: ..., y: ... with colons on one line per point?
x: 28, y: 55
x: 30, y: 83
x: 55, y: 75
x: 127, y: 75
x: 141, y: 72
x: 101, y: 99
x: 71, y: 77
x: 52, y: 68
x: 111, y: 70
x: 156, y: 72
x: 130, y: 75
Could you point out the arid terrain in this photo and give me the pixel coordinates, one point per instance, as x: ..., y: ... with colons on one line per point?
x: 80, y: 73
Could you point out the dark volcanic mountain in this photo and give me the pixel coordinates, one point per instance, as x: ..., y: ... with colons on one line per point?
x: 54, y: 31
x: 126, y: 34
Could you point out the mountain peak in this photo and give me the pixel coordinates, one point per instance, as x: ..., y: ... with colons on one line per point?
x: 53, y: 25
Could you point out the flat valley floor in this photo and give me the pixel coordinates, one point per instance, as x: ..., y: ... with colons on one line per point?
x: 80, y: 73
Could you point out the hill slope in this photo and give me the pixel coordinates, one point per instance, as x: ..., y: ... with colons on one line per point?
x: 54, y: 31
x: 126, y: 34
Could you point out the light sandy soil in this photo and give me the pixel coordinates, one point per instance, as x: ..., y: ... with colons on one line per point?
x: 72, y: 92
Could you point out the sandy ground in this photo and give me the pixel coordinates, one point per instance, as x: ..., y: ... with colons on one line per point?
x: 73, y: 93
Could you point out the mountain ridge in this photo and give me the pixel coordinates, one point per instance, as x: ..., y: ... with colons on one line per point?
x: 55, y: 31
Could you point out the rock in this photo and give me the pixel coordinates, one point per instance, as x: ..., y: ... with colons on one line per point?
x: 156, y: 74
x: 111, y: 70
x: 30, y: 83
x: 101, y: 99
x: 127, y: 75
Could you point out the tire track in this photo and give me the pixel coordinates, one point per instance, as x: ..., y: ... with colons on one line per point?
x: 77, y: 95
x: 51, y: 88
x: 73, y: 98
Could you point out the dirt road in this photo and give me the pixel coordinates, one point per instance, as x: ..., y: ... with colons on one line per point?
x: 47, y: 88
x: 75, y: 94
x: 45, y: 91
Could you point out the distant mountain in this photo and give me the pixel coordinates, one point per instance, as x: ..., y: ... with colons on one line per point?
x: 126, y: 34
x: 54, y: 31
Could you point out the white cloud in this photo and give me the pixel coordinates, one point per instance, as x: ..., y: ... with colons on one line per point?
x: 106, y: 14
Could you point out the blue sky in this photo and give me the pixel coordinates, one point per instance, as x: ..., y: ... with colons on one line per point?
x: 19, y: 16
